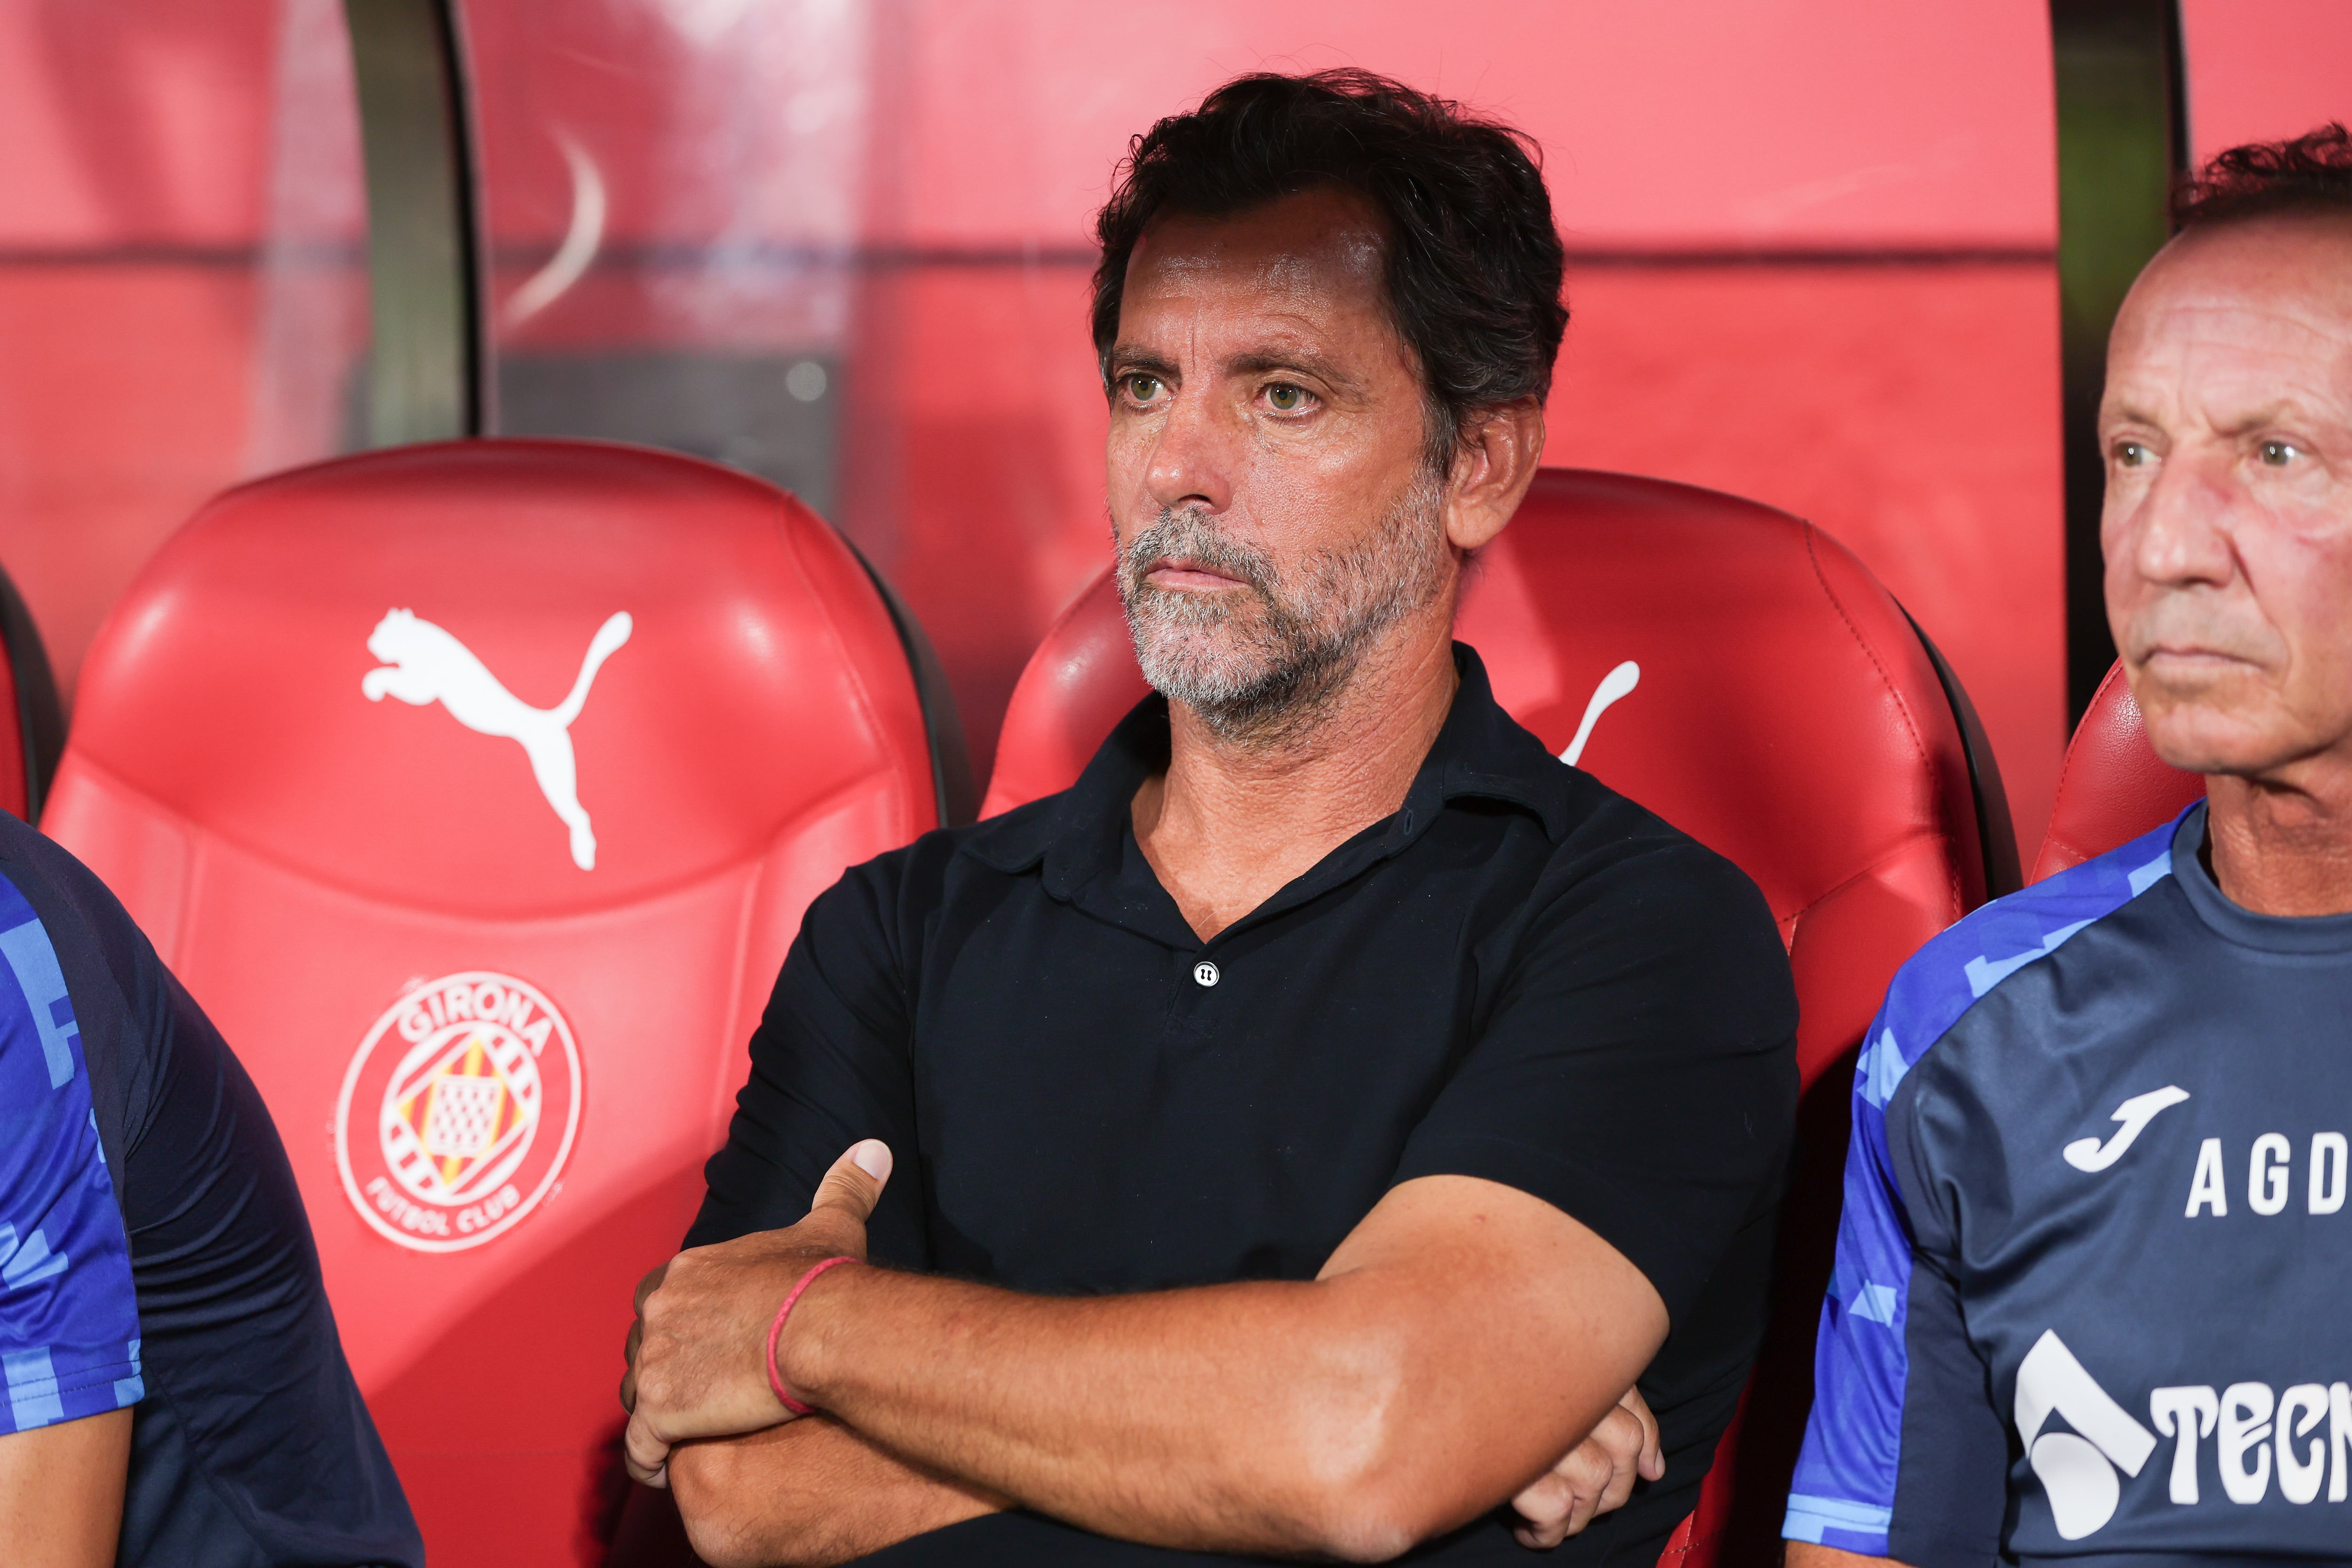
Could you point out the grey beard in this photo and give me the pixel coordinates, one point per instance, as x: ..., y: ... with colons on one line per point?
x: 1263, y: 667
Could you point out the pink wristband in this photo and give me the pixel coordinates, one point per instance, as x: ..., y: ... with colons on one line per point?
x: 775, y: 1379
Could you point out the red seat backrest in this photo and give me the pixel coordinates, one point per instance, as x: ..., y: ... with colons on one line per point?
x: 2113, y: 787
x: 497, y: 1069
x: 1780, y: 709
x: 32, y: 722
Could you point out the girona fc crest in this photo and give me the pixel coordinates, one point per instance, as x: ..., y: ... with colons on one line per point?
x: 458, y: 1111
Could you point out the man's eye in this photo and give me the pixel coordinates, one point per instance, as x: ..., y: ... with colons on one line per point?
x: 1142, y: 388
x: 2130, y: 454
x: 1284, y: 398
x: 2279, y: 454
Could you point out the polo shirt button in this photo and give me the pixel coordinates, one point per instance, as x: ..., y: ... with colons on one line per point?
x: 1205, y: 973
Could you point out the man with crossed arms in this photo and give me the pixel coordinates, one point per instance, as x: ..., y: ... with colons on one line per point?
x: 1297, y: 1137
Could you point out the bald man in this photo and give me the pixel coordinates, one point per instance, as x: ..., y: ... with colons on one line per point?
x: 2090, y: 1300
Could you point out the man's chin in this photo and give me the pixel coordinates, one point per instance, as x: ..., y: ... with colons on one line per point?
x: 1197, y: 656
x: 2202, y: 713
x: 1216, y: 693
x: 2210, y: 735
x: 1238, y: 698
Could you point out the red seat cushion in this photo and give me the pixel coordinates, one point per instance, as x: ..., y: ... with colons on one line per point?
x: 2113, y: 787
x: 329, y: 872
x: 1782, y: 710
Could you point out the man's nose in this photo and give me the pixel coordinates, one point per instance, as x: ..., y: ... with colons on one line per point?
x: 1192, y: 458
x: 2181, y: 533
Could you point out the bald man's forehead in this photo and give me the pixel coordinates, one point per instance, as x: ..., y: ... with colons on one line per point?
x: 2297, y: 264
x: 2268, y: 297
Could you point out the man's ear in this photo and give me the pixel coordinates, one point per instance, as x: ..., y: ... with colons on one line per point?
x: 1493, y: 467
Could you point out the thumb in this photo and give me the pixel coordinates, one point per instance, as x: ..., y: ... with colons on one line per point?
x: 855, y: 1183
x: 1652, y: 1464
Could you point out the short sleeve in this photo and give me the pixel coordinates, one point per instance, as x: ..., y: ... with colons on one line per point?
x: 68, y: 1314
x: 1903, y: 1454
x: 1637, y: 1068
x: 830, y: 1066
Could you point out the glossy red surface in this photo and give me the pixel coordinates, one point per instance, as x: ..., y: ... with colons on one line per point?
x: 2113, y: 786
x: 304, y: 858
x: 1783, y: 713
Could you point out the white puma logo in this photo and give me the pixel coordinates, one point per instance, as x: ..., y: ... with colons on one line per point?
x: 2135, y: 1113
x: 1617, y: 683
x: 425, y: 664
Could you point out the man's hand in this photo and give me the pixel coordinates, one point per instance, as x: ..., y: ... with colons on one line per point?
x: 1596, y: 1476
x: 697, y: 1355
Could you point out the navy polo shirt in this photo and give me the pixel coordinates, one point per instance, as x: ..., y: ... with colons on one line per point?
x: 154, y: 1254
x: 1520, y: 975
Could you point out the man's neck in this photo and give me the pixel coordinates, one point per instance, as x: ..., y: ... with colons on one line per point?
x: 2282, y: 845
x: 1233, y: 820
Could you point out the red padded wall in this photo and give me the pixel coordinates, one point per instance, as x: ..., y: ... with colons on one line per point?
x: 2263, y: 70
x: 1783, y: 713
x: 305, y: 858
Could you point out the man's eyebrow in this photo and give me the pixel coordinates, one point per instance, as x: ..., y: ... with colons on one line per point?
x: 2287, y: 410
x: 1141, y: 361
x: 1304, y: 361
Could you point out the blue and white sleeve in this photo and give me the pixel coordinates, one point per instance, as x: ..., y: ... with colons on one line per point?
x: 69, y: 1316
x: 1892, y: 1335
x: 1842, y: 1493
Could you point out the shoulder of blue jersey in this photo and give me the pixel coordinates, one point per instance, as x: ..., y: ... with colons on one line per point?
x: 1973, y: 956
x: 1843, y: 1489
x: 69, y: 1332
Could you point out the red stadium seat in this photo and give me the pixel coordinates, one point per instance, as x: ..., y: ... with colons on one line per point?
x: 2113, y: 787
x: 1742, y: 674
x: 32, y: 723
x: 476, y: 790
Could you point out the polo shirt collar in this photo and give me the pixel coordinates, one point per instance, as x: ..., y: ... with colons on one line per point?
x: 1481, y: 752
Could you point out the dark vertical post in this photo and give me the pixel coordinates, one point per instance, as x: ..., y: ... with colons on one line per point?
x: 2123, y: 135
x: 428, y: 361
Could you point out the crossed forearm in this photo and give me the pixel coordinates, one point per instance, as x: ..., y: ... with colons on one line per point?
x: 1220, y: 1418
x: 1271, y: 1417
x: 933, y: 1446
x: 1461, y: 1341
x: 809, y: 1494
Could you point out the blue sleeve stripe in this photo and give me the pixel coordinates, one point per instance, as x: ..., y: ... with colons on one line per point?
x: 1833, y: 1521
x: 32, y: 1389
x: 1843, y: 1489
x: 69, y: 1310
x: 27, y: 1260
x: 35, y: 963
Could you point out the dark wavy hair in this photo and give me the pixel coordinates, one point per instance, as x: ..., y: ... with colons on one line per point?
x: 1473, y: 262
x: 2311, y: 174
